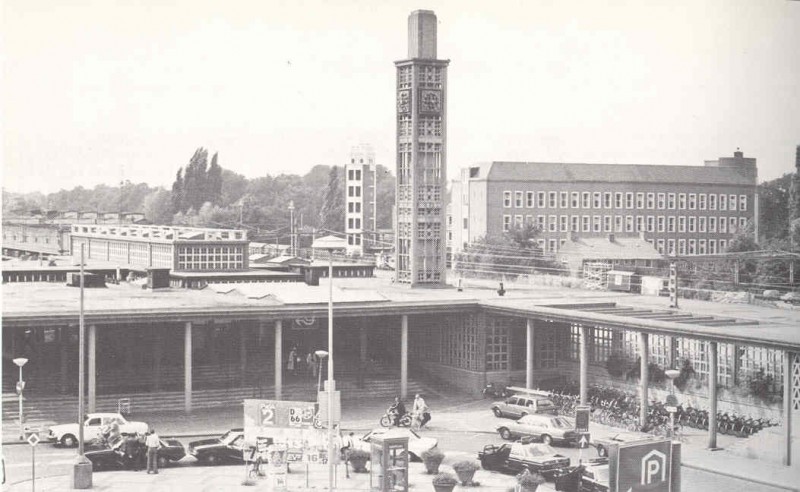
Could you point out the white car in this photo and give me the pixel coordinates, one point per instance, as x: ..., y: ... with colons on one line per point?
x: 67, y: 434
x: 416, y: 443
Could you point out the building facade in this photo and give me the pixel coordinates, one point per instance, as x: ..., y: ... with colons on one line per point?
x: 360, y: 189
x: 178, y: 248
x: 681, y: 210
x: 421, y: 156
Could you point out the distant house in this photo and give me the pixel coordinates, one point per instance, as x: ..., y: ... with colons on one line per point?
x: 594, y: 257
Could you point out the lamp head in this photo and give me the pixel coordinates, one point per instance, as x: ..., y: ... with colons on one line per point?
x: 20, y: 361
x: 321, y: 354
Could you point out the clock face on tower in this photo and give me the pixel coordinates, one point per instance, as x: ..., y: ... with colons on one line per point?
x: 430, y: 101
x: 403, y: 102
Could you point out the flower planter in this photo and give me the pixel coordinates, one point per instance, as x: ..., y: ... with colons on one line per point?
x: 465, y: 476
x: 359, y: 465
x: 444, y: 488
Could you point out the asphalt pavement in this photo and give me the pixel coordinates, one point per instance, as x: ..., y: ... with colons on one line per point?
x: 462, y: 426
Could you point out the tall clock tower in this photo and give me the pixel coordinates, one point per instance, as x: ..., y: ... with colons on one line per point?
x: 421, y: 157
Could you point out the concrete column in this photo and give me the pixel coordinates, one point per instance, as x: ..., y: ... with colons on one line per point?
x: 362, y: 355
x: 584, y: 372
x: 63, y: 355
x: 788, y: 361
x: 187, y: 367
x: 243, y: 352
x: 529, y: 354
x: 278, y: 359
x: 644, y: 351
x: 158, y: 342
x: 92, y: 355
x: 404, y: 357
x: 712, y: 394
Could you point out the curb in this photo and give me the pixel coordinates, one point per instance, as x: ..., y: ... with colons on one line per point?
x: 739, y: 477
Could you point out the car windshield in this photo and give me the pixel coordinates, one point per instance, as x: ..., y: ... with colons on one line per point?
x: 536, y: 450
x: 561, y: 423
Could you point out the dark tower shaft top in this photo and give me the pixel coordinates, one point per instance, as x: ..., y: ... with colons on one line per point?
x: 422, y: 34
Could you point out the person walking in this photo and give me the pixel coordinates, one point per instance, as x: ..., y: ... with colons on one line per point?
x: 421, y: 410
x: 347, y: 446
x: 291, y: 364
x: 311, y: 364
x: 152, y: 443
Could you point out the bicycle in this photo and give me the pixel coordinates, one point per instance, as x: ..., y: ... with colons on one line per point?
x: 254, y: 469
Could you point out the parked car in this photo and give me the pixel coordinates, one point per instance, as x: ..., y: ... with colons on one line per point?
x: 516, y: 457
x: 595, y: 478
x: 416, y: 443
x: 95, y: 424
x: 228, y: 448
x: 548, y: 429
x: 106, y: 458
x: 517, y: 406
x: 602, y: 444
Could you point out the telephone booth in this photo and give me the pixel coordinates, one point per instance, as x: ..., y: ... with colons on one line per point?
x: 389, y: 463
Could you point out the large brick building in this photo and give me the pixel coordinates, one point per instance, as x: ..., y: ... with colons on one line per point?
x: 684, y: 210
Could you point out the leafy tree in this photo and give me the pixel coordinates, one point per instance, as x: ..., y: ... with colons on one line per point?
x: 331, y: 215
x: 514, y: 253
x: 177, y: 193
x: 773, y: 197
x: 214, y: 181
x: 158, y: 207
x: 794, y: 193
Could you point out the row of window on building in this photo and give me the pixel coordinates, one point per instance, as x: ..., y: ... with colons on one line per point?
x: 624, y: 200
x: 629, y: 223
x: 354, y: 191
x: 354, y: 174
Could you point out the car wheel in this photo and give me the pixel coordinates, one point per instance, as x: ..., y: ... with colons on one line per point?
x: 601, y: 451
x: 547, y: 439
x: 163, y: 462
x: 69, y: 441
x: 505, y: 434
x: 497, y: 412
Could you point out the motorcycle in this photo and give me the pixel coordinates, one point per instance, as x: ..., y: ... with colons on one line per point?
x: 496, y: 390
x: 388, y: 420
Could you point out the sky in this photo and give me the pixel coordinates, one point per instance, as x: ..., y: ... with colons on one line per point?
x: 102, y: 91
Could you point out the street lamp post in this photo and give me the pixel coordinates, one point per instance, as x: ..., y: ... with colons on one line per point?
x: 672, y: 401
x: 330, y: 244
x: 321, y: 354
x: 20, y: 361
x: 291, y: 228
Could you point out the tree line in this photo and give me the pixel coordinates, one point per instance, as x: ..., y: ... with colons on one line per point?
x: 205, y: 194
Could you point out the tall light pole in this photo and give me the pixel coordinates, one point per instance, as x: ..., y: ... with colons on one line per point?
x: 82, y: 470
x: 20, y: 361
x: 321, y: 354
x: 291, y: 227
x: 672, y: 401
x: 330, y: 244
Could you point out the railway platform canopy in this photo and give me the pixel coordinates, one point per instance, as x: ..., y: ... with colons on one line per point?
x: 460, y: 327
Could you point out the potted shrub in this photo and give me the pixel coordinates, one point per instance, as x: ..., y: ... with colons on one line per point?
x: 432, y: 458
x: 529, y: 482
x: 358, y: 459
x: 465, y: 470
x: 444, y: 482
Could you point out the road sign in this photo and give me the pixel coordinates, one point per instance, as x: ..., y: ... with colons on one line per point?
x: 583, y: 442
x: 33, y: 439
x: 642, y: 465
x: 582, y: 418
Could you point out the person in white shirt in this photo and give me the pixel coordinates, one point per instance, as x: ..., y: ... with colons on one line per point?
x: 421, y: 410
x: 152, y: 442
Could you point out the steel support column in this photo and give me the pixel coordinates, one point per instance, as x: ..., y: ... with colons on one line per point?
x: 644, y: 376
x: 529, y: 333
x: 187, y: 367
x: 404, y: 357
x: 713, y: 358
x: 92, y: 369
x: 584, y: 372
x: 788, y: 382
x: 279, y: 360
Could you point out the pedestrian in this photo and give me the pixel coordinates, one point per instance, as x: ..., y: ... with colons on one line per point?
x: 311, y: 364
x: 348, y: 444
x: 291, y: 365
x: 152, y: 442
x: 421, y: 410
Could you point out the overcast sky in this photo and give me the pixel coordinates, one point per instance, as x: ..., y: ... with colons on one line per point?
x: 99, y: 91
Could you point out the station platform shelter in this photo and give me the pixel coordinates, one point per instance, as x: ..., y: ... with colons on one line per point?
x: 259, y: 335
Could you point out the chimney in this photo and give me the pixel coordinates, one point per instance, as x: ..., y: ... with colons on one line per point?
x: 610, y: 238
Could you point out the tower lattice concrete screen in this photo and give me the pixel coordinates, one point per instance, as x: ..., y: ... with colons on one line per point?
x: 421, y: 156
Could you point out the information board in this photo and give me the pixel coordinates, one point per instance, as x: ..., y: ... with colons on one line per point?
x: 289, y: 423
